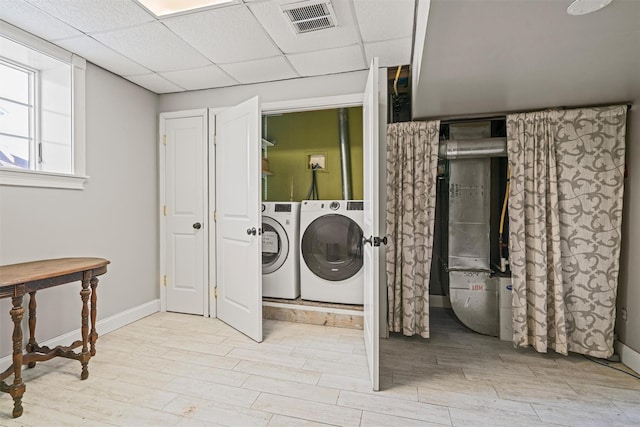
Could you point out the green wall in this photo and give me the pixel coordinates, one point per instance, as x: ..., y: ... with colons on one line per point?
x: 296, y: 135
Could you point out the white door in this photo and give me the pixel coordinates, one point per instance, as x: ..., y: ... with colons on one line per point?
x: 239, y: 240
x: 184, y: 247
x: 371, y: 225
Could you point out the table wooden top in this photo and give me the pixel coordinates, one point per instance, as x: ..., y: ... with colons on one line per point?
x: 15, y: 274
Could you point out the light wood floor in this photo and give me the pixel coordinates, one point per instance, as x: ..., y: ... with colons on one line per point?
x: 179, y: 370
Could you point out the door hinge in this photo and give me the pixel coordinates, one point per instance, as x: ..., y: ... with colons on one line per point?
x: 215, y: 139
x: 215, y: 216
x: 164, y: 139
x: 165, y: 280
x: 215, y: 292
x: 164, y: 210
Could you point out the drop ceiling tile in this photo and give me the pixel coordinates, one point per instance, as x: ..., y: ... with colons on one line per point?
x: 200, y: 78
x: 91, y: 16
x: 279, y: 28
x: 94, y: 51
x: 330, y: 61
x: 153, y: 46
x: 390, y: 53
x: 384, y: 19
x: 224, y: 35
x: 155, y: 83
x: 33, y: 20
x: 261, y: 70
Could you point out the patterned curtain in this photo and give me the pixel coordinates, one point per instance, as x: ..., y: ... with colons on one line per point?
x: 565, y: 215
x: 412, y: 164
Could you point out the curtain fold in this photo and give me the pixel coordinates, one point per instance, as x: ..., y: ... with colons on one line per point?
x: 565, y: 216
x: 412, y: 164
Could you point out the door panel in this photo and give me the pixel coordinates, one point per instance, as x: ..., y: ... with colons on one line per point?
x: 185, y: 205
x: 239, y: 251
x: 371, y: 224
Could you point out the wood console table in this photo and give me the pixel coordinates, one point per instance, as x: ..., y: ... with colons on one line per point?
x: 27, y: 278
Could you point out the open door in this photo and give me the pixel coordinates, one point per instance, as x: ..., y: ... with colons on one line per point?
x: 371, y: 225
x: 238, y: 241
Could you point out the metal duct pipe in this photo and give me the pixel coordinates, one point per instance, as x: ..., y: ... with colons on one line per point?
x: 473, y: 148
x: 345, y: 153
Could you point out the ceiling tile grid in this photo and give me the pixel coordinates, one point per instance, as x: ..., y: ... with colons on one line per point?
x: 224, y: 35
x: 90, y: 16
x: 267, y: 69
x: 33, y: 20
x: 242, y: 42
x: 154, y: 46
x: 331, y: 61
x: 94, y: 51
x: 200, y: 78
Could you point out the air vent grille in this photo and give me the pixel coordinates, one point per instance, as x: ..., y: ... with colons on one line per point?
x: 309, y: 16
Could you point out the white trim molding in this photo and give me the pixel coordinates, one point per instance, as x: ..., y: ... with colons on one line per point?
x: 103, y: 327
x: 628, y: 356
x: 29, y: 178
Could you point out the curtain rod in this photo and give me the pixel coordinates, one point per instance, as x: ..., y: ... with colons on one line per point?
x: 479, y: 118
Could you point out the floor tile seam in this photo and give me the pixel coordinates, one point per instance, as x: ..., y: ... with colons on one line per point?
x: 570, y: 382
x: 275, y: 393
x: 392, y: 415
x: 307, y: 419
x: 184, y: 394
x: 589, y: 411
x: 257, y: 360
x: 386, y: 413
x: 282, y: 379
x: 211, y: 381
x: 309, y: 357
x: 496, y: 408
x: 292, y: 380
x: 373, y: 393
x: 216, y: 404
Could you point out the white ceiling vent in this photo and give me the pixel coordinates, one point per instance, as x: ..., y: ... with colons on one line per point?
x: 312, y: 15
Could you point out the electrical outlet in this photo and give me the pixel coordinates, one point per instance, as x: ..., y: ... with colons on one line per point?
x: 623, y: 314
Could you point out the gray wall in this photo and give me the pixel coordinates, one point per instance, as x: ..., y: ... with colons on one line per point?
x: 629, y: 287
x: 303, y: 88
x: 115, y: 216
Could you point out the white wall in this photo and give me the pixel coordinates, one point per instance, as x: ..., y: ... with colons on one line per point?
x: 629, y: 287
x: 115, y: 216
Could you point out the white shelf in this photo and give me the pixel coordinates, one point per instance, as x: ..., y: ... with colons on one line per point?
x: 266, y: 144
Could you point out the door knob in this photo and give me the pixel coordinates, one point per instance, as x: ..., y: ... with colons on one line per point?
x: 197, y: 226
x: 378, y: 240
x: 366, y: 241
x: 251, y: 231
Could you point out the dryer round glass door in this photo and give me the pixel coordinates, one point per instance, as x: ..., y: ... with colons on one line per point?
x: 332, y: 247
x: 275, y: 245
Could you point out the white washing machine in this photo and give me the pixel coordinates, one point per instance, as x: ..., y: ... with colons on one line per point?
x: 280, y: 253
x: 331, y: 251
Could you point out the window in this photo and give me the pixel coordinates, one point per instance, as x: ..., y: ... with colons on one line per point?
x: 41, y: 113
x: 17, y: 133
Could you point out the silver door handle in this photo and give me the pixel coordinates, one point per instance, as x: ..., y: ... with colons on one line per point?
x: 251, y: 231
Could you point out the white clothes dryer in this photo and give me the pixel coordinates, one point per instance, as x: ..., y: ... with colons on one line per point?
x: 331, y: 251
x: 280, y: 253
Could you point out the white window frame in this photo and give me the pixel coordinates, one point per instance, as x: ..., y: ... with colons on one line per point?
x: 35, y: 178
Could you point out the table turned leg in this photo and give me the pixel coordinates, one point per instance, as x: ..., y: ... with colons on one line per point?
x: 85, y: 355
x: 31, y: 345
x: 93, y: 336
x: 16, y: 390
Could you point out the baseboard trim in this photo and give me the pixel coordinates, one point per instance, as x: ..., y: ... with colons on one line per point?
x: 103, y: 326
x: 628, y: 356
x: 441, y: 301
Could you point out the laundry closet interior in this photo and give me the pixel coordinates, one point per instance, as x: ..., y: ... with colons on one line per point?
x: 312, y: 191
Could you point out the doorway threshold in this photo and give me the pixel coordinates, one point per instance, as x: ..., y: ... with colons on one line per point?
x: 313, y: 312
